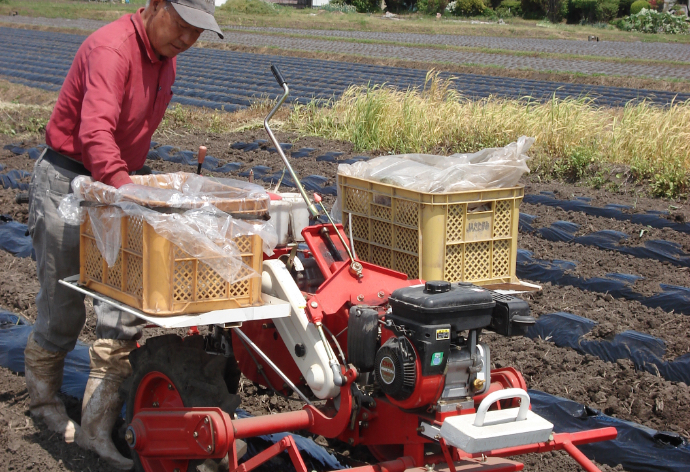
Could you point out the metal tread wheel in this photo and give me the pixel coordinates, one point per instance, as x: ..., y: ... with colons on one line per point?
x: 168, y: 372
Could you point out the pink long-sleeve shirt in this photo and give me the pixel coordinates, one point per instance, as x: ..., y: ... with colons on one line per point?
x: 112, y: 101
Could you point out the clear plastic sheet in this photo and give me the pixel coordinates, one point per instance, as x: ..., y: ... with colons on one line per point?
x: 488, y: 168
x: 197, y: 226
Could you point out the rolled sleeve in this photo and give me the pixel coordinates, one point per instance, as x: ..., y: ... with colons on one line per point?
x: 105, y: 78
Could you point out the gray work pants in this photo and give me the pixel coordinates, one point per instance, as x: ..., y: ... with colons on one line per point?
x: 61, y: 311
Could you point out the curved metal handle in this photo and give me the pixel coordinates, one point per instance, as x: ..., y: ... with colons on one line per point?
x: 492, y: 398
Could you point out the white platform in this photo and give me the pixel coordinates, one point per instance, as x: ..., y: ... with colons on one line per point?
x: 272, y: 308
x: 489, y: 430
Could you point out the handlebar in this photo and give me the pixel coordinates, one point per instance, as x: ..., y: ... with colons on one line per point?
x: 277, y: 75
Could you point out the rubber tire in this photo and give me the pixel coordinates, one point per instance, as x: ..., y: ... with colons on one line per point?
x: 196, y: 375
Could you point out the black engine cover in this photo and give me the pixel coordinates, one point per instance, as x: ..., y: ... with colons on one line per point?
x: 395, y: 369
x: 462, y: 305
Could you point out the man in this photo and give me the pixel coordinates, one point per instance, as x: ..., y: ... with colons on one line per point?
x: 110, y: 104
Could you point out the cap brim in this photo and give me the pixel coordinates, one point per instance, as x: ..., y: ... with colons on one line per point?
x: 198, y: 18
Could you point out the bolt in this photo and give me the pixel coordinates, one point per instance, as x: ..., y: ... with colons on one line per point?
x: 206, y: 420
x: 155, y: 404
x: 478, y: 384
x: 420, y: 429
x: 381, y: 294
x: 314, y: 305
x: 373, y: 404
x: 360, y: 298
x: 196, y: 435
x: 209, y: 448
x: 129, y: 437
x: 438, y: 437
x: 364, y: 424
x: 365, y: 416
x: 170, y: 387
x: 351, y: 441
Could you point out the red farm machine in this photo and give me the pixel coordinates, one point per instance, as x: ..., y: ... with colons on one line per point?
x: 379, y: 360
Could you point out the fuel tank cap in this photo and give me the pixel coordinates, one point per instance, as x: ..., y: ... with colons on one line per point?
x: 437, y: 286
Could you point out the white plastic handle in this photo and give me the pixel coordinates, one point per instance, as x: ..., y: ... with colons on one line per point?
x: 492, y: 398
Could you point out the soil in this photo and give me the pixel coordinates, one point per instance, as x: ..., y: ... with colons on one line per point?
x: 616, y: 388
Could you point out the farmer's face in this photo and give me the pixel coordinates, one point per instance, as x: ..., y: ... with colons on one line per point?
x: 168, y: 32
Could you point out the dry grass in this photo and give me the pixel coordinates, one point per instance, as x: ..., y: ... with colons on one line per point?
x: 573, y: 135
x: 24, y: 111
x: 181, y: 118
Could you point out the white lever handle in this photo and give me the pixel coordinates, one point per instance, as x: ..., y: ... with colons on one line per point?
x: 492, y: 398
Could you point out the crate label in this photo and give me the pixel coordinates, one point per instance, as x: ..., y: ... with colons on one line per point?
x: 442, y: 334
x: 478, y: 227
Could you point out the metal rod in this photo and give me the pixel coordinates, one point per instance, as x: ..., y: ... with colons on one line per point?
x: 342, y: 240
x: 581, y: 459
x: 271, y: 365
x: 352, y: 241
x: 310, y: 206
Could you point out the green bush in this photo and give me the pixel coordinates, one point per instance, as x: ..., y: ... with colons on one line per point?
x: 591, y: 11
x: 466, y: 7
x: 252, y: 7
x: 555, y: 10
x: 608, y: 10
x: 624, y: 7
x: 532, y: 9
x: 510, y: 7
x: 637, y: 6
x: 651, y: 21
x: 431, y: 7
x: 366, y: 6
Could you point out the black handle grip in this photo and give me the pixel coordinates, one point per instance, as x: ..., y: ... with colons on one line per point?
x: 278, y: 75
x: 21, y: 198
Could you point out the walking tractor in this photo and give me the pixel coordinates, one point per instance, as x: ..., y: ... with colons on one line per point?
x: 379, y: 360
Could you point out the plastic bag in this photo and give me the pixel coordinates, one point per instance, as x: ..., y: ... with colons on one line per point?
x: 198, y: 227
x: 488, y: 168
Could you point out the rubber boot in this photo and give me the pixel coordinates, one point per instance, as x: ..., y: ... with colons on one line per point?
x: 102, y: 403
x: 43, y: 372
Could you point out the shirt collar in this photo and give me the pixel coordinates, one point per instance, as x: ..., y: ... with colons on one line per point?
x: 141, y: 31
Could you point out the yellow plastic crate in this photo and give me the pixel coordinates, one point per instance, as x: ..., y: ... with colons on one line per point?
x: 157, y: 277
x: 459, y: 237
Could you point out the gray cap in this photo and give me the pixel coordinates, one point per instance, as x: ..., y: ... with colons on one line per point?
x: 198, y: 13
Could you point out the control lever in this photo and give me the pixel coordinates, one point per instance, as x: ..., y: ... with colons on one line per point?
x: 355, y: 267
x: 286, y: 91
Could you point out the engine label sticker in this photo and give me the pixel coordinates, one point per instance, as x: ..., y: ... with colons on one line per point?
x: 436, y: 358
x: 387, y: 369
x: 442, y: 334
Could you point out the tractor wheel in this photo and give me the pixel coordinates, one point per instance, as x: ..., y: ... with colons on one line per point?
x: 169, y: 371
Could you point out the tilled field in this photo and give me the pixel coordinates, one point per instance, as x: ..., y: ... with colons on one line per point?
x: 232, y: 80
x: 615, y: 388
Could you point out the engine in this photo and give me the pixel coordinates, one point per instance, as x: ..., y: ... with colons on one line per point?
x: 425, y: 349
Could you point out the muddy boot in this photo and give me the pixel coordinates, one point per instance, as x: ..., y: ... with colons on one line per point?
x: 102, y: 403
x: 43, y: 372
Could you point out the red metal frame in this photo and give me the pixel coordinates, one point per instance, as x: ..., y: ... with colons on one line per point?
x: 167, y: 435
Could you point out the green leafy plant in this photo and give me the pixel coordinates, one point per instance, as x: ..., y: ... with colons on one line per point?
x: 509, y: 8
x: 343, y: 7
x: 591, y: 11
x: 651, y: 21
x: 577, y: 164
x: 431, y: 7
x: 366, y: 6
x: 637, y: 6
x: 468, y: 7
